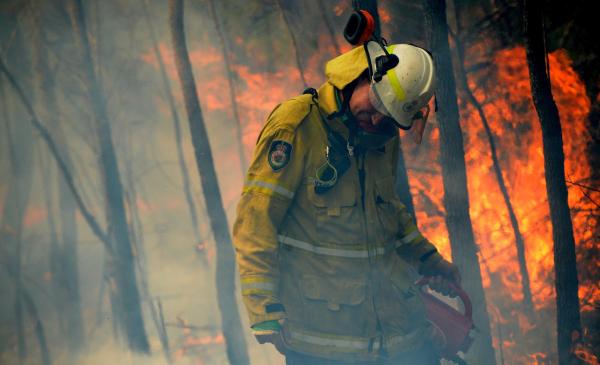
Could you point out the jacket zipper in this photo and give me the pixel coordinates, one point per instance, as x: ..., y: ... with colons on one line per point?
x: 361, y: 176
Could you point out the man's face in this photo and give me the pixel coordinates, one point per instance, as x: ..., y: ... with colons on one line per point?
x: 368, y: 118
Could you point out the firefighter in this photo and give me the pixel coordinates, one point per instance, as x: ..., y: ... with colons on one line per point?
x: 326, y: 250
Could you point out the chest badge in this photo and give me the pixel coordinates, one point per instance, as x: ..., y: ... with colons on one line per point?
x: 280, y: 153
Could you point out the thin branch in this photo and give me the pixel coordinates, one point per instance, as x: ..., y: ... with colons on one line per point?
x: 519, y: 241
x: 39, y: 327
x: 192, y: 327
x: 232, y: 90
x: 294, y: 42
x: 45, y: 134
x: 330, y: 30
x: 588, y: 196
x: 176, y: 123
x: 582, y: 186
x: 11, y: 37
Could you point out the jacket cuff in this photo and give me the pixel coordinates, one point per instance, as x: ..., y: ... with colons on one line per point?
x: 266, y: 328
x: 257, y: 319
x: 429, y: 261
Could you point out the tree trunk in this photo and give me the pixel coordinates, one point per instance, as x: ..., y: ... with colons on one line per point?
x: 68, y: 259
x: 68, y: 273
x: 565, y: 267
x: 185, y: 176
x: 519, y: 241
x: 14, y: 271
x: 231, y: 84
x: 40, y: 334
x: 456, y: 195
x: 15, y: 205
x: 225, y: 271
x: 288, y: 25
x: 124, y: 265
x: 20, y: 147
x: 66, y: 173
x: 54, y: 258
x: 137, y: 237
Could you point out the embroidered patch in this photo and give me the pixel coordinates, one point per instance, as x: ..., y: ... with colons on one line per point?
x: 279, y: 154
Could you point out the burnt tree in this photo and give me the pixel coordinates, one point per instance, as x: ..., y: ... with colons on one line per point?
x: 454, y: 175
x: 225, y: 272
x: 123, y: 263
x: 20, y: 153
x: 568, y: 323
x: 185, y: 176
x: 67, y: 273
x: 470, y: 96
x: 225, y: 48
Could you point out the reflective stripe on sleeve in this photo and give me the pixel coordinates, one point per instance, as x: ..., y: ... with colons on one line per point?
x: 313, y: 339
x: 346, y: 344
x: 329, y: 251
x: 408, y: 238
x: 264, y: 286
x: 257, y: 285
x: 268, y: 188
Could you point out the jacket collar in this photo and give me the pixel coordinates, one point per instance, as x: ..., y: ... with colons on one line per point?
x: 327, y: 99
x: 328, y: 103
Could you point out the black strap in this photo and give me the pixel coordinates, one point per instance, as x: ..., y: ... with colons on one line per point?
x: 274, y: 307
x: 427, y: 255
x: 338, y: 145
x: 311, y: 91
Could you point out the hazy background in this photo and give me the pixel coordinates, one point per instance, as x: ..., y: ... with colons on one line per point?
x: 175, y: 263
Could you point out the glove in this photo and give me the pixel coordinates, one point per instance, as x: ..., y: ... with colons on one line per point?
x: 266, y: 328
x: 441, y: 271
x: 269, y: 332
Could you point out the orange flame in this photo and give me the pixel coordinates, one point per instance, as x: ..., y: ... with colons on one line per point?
x: 504, y: 92
x: 503, y: 89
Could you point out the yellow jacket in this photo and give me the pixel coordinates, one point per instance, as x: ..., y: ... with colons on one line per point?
x: 328, y: 262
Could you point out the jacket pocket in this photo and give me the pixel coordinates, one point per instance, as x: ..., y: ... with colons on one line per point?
x: 335, y: 305
x: 336, y: 215
x: 335, y: 291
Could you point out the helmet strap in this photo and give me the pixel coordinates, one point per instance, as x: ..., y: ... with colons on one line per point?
x: 383, y: 63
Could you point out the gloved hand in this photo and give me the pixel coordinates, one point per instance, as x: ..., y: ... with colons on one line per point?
x: 270, y: 332
x: 442, y: 272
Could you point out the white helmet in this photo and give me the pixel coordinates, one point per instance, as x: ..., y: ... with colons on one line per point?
x: 406, y: 88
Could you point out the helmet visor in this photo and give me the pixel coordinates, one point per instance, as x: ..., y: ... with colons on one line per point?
x: 378, y: 104
x: 376, y: 101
